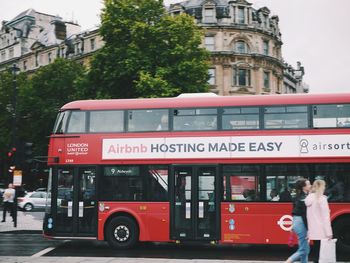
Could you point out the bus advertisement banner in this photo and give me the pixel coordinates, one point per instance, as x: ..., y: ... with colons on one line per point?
x: 227, y: 147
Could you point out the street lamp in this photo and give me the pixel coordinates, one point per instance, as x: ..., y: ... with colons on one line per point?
x: 14, y: 70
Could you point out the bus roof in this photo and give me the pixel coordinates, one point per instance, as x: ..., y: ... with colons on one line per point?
x: 208, y: 101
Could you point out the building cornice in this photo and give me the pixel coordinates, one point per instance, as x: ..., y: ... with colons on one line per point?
x: 245, y: 28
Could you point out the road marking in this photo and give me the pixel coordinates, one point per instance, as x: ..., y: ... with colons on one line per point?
x: 43, y: 252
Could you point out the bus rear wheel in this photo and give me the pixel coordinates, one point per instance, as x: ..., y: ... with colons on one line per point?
x: 122, y: 232
x: 342, y: 233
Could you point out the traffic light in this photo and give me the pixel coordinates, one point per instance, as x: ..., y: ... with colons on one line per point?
x: 28, y: 152
x: 12, y: 152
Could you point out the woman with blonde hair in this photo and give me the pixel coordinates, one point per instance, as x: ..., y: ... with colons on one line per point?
x: 318, y: 216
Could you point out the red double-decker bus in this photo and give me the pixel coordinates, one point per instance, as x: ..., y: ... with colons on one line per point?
x: 195, y: 168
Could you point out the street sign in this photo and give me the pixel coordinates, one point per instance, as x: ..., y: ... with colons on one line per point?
x: 17, y: 177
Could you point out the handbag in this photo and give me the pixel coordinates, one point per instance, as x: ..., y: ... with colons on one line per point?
x: 292, y: 239
x: 328, y: 251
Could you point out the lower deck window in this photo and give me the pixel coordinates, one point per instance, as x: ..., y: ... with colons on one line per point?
x: 134, y: 183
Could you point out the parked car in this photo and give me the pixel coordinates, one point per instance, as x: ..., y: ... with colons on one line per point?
x: 41, y: 190
x: 32, y: 200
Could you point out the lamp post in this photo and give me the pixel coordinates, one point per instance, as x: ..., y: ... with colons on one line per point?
x: 14, y: 69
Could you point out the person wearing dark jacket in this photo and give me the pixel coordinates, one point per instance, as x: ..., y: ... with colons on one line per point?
x: 303, y: 187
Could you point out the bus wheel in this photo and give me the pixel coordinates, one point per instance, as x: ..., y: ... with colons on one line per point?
x: 122, y: 232
x: 342, y: 233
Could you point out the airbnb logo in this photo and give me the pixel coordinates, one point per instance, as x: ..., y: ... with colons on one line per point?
x: 125, y: 148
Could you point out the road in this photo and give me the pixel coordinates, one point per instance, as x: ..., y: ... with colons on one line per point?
x: 23, y: 244
x: 29, y: 242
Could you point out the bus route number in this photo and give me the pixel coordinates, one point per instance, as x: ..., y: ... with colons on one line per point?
x: 69, y: 161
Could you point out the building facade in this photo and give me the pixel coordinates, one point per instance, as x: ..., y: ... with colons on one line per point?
x: 245, y: 45
x: 32, y: 40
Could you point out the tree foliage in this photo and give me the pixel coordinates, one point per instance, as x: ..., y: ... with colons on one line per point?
x: 148, y: 53
x: 47, y: 91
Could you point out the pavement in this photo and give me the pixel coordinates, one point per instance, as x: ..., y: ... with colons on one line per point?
x: 25, y: 222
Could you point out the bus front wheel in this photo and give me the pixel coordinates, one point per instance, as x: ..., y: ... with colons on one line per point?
x: 122, y: 232
x: 342, y: 233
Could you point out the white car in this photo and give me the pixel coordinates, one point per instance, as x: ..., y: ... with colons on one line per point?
x: 32, y: 200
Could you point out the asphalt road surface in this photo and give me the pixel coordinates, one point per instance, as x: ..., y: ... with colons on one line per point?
x: 28, y: 244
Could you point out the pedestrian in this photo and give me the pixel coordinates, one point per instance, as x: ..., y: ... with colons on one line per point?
x: 318, y: 216
x: 300, y: 222
x: 9, y: 197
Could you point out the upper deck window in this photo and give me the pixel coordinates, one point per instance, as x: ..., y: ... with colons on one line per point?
x: 148, y: 120
x: 195, y: 119
x: 240, y: 118
x: 61, y: 122
x: 330, y: 116
x: 286, y: 117
x: 77, y: 122
x: 106, y: 121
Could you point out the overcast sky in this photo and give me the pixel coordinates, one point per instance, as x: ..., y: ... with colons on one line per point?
x: 315, y: 32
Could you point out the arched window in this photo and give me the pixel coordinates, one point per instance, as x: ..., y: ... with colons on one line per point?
x: 241, y: 47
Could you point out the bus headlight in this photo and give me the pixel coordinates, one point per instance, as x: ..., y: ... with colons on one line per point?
x: 101, y: 206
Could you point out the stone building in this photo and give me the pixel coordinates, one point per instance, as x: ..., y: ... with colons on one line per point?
x: 245, y: 44
x: 34, y: 39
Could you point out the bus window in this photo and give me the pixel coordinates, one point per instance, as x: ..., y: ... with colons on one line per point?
x: 195, y: 119
x: 61, y: 122
x: 337, y: 177
x: 157, y: 182
x: 240, y: 118
x: 121, y: 183
x: 106, y: 121
x: 76, y: 122
x: 148, y: 120
x: 286, y: 117
x: 281, y: 179
x: 331, y: 116
x: 241, y: 182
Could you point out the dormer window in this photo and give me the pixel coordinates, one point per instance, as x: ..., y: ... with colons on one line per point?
x: 266, y: 21
x: 241, y: 47
x: 241, y: 15
x: 209, y: 15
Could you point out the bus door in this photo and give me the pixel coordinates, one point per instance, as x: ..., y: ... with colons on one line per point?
x: 76, y: 202
x: 195, y: 203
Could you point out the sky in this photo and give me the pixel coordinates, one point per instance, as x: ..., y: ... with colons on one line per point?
x: 314, y: 32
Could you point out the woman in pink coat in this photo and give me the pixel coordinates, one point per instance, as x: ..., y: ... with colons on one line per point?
x: 318, y: 216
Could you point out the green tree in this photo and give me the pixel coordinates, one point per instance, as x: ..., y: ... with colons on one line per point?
x: 7, y: 85
x: 48, y: 89
x: 148, y: 53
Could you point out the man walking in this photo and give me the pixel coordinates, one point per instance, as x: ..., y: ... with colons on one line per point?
x: 9, y: 197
